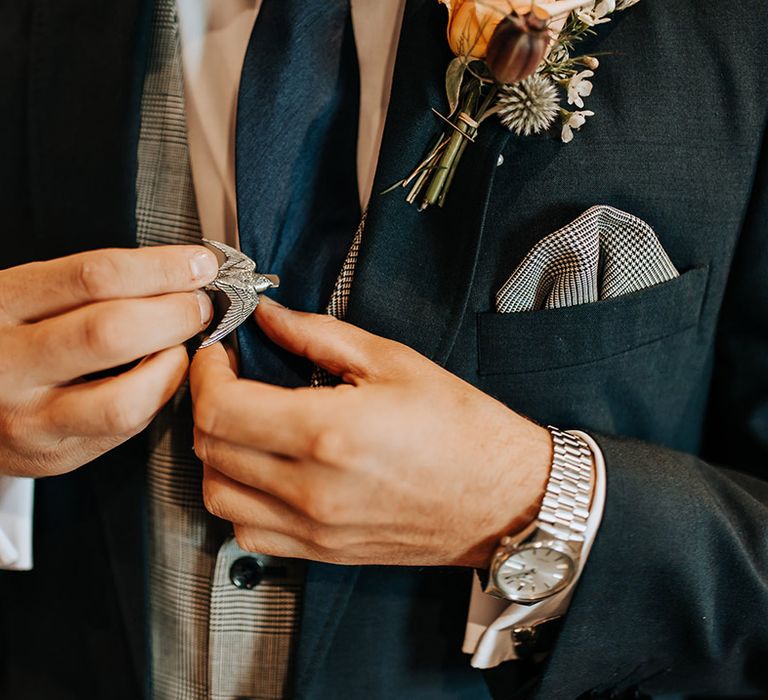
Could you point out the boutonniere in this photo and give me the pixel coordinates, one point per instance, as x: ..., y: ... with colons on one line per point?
x: 517, y: 61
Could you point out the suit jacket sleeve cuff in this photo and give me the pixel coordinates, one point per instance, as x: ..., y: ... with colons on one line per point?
x: 490, y: 621
x: 16, y: 503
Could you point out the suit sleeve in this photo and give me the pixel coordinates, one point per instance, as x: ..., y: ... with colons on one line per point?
x: 490, y: 621
x: 674, y: 598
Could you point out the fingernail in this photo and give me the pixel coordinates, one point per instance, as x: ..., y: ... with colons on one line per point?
x: 206, y: 307
x: 204, y: 266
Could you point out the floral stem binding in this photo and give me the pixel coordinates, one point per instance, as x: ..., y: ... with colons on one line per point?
x: 511, y: 62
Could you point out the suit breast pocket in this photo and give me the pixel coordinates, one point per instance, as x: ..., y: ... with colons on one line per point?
x: 612, y: 366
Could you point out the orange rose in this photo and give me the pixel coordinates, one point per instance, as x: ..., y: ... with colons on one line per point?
x: 471, y: 23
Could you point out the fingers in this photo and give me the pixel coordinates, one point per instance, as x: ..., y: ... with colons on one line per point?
x: 264, y: 524
x: 315, y: 491
x: 258, y: 540
x: 64, y: 456
x: 276, y: 475
x: 118, y: 406
x: 213, y: 366
x: 45, y: 289
x: 229, y: 500
x: 105, y: 335
x: 341, y: 348
x: 265, y: 417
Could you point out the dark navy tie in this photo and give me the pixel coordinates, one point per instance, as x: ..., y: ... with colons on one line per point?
x: 297, y: 198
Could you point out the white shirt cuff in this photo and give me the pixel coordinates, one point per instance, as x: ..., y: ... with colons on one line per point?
x: 16, y: 503
x: 488, y: 634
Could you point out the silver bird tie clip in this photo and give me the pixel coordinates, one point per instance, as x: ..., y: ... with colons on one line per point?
x: 238, y: 279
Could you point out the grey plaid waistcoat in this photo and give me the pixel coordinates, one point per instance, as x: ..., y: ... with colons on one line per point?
x: 209, y: 638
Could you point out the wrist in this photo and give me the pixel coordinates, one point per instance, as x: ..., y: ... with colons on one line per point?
x: 526, y: 477
x: 523, y: 472
x: 530, y: 568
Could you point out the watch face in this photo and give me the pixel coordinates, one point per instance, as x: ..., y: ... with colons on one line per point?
x: 533, y: 572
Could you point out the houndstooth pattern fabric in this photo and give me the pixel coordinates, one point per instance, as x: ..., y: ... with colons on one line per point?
x: 209, y: 639
x: 339, y: 302
x: 602, y: 254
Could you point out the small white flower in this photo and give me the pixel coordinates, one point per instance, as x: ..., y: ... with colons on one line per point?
x: 529, y: 107
x: 599, y: 13
x: 573, y: 121
x: 591, y: 62
x: 604, y: 7
x: 579, y: 87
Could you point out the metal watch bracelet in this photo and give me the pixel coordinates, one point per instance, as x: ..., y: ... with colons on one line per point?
x: 568, y: 495
x: 533, y: 566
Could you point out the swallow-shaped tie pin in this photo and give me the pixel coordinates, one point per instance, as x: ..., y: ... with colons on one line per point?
x: 238, y: 279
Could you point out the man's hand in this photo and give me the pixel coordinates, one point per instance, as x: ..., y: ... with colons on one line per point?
x: 63, y: 320
x: 403, y: 464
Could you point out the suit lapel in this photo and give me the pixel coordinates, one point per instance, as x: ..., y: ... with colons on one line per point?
x: 86, y: 74
x: 415, y: 268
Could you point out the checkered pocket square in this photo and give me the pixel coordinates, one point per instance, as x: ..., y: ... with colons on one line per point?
x: 604, y: 253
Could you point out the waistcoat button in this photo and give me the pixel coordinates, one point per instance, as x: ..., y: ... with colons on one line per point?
x: 246, y: 572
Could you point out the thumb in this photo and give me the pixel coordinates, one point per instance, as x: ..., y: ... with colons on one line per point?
x: 212, y: 366
x: 338, y: 347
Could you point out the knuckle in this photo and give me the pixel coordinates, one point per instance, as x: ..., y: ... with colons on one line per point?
x: 247, y: 539
x: 96, y: 275
x: 322, y: 506
x: 328, y: 322
x: 328, y: 446
x: 165, y: 270
x: 329, y: 538
x: 406, y: 355
x: 204, y: 413
x: 12, y: 429
x: 122, y: 416
x: 189, y: 311
x: 203, y: 448
x: 213, y: 500
x: 299, y: 493
x: 403, y: 360
x: 100, y: 335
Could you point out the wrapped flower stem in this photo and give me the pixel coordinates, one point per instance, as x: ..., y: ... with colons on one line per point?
x: 464, y: 129
x: 433, y: 177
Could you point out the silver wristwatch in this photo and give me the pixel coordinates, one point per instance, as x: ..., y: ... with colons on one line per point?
x: 546, y: 560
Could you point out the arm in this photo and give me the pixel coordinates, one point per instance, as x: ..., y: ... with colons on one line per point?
x: 675, y: 595
x: 677, y: 582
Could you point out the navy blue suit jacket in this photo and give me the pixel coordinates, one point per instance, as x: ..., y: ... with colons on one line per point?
x: 672, y: 381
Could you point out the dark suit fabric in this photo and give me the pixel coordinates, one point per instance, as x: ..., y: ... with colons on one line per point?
x: 671, y: 381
